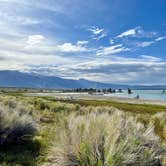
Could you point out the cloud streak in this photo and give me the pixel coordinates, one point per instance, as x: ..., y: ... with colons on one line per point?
x: 97, y: 33
x: 69, y: 47
x: 138, y: 32
x: 110, y: 50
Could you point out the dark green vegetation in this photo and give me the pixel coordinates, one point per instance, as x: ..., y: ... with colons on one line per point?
x: 45, y: 130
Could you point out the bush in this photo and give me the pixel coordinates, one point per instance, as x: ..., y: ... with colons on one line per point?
x: 41, y: 104
x: 15, y: 126
x: 160, y: 125
x: 104, y: 139
x: 10, y: 103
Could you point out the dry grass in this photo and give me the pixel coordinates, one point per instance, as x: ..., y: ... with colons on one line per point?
x: 78, y: 134
x: 104, y: 139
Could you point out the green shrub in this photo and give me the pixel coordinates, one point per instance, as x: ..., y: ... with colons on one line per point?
x: 10, y: 103
x: 41, y: 104
x: 59, y: 107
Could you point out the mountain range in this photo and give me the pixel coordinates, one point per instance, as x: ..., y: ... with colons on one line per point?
x: 9, y: 78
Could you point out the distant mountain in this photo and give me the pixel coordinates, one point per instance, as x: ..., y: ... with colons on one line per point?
x: 30, y: 80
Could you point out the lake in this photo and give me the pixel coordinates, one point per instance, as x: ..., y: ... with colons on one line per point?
x: 143, y: 94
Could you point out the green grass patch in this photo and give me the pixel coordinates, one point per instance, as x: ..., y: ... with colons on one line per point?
x: 134, y: 108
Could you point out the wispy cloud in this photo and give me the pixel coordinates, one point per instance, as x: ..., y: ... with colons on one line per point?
x: 149, y: 58
x: 145, y: 43
x: 138, y: 32
x: 112, y: 50
x: 97, y: 33
x: 112, y: 41
x: 82, y: 42
x: 160, y: 38
x: 19, y: 20
x: 35, y: 39
x: 69, y: 47
x: 149, y: 43
x: 53, y: 6
x: 137, y: 38
x: 96, y: 30
x: 130, y: 32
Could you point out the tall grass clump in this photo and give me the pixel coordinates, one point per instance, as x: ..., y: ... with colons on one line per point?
x: 15, y: 126
x: 160, y: 125
x: 104, y: 139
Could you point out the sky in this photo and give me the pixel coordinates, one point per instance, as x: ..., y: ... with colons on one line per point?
x: 111, y: 41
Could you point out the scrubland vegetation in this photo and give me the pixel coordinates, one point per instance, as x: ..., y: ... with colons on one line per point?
x: 43, y: 131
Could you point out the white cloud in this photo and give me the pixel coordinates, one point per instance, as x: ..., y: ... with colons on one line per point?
x: 137, y: 38
x: 100, y: 36
x: 112, y: 50
x: 97, y: 33
x: 148, y: 43
x: 35, y: 39
x: 8, y: 32
x: 112, y: 41
x: 46, y: 59
x: 145, y: 44
x: 53, y: 6
x: 26, y: 21
x: 69, y: 47
x: 149, y: 58
x: 82, y: 42
x: 141, y: 70
x: 17, y: 19
x: 130, y: 32
x: 24, y: 51
x: 96, y: 30
x: 160, y: 38
x: 138, y: 32
x: 38, y: 44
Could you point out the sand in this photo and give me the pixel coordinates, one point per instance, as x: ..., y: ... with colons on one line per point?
x: 98, y: 97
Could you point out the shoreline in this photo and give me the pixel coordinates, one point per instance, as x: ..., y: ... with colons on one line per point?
x: 126, y: 100
x: 79, y: 96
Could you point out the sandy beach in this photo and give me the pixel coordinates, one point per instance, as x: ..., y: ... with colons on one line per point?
x: 85, y: 96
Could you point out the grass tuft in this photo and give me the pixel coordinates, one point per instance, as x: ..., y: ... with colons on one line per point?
x: 104, y: 139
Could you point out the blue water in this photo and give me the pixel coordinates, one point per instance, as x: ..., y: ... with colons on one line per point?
x: 143, y: 94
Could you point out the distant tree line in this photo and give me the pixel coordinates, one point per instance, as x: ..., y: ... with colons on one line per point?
x: 93, y: 90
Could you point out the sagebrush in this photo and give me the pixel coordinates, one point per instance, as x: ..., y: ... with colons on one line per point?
x: 105, y: 139
x: 15, y: 125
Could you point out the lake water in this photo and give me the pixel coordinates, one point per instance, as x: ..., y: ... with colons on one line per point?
x: 143, y: 94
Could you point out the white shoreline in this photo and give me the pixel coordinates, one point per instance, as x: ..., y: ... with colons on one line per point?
x: 86, y: 96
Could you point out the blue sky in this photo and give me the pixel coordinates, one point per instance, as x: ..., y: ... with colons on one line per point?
x: 115, y: 41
